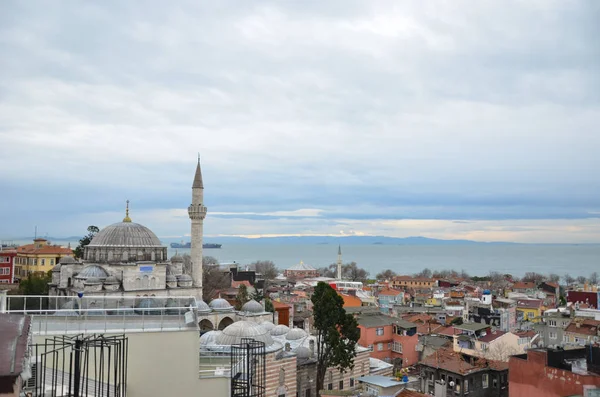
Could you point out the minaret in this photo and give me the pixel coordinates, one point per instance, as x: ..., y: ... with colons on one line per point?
x: 339, y: 263
x: 197, y: 213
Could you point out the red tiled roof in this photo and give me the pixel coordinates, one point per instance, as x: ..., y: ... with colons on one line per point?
x: 451, y: 361
x: 411, y: 278
x: 587, y: 327
x: 389, y: 291
x: 236, y: 284
x: 529, y: 303
x: 524, y: 285
x: 448, y: 331
x: 551, y: 284
x: 45, y: 249
x: 491, y: 336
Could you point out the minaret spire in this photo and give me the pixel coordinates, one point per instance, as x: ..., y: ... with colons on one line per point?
x: 127, y: 218
x: 197, y: 213
x: 339, y: 262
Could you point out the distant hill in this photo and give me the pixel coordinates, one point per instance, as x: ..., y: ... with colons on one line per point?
x: 346, y: 240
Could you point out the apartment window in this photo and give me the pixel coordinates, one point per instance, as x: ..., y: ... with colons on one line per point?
x: 4, y: 271
x: 389, y: 346
x: 35, y: 262
x: 380, y: 346
x: 552, y: 323
x: 330, y: 386
x: 397, y: 347
x: 379, y: 331
x: 485, y: 381
x: 484, y: 347
x: 342, y: 384
x: 552, y: 335
x: 43, y: 262
x: 52, y: 262
x: 351, y: 382
x: 495, y: 382
x: 4, y: 281
x: 370, y: 347
x: 466, y: 386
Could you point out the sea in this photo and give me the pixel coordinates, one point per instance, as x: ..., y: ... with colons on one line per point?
x: 476, y: 260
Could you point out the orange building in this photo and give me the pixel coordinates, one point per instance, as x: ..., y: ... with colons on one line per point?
x: 39, y: 257
x: 388, y: 338
x: 350, y: 300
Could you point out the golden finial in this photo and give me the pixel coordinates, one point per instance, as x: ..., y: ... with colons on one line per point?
x: 127, y: 218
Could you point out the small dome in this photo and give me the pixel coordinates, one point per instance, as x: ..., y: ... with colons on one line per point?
x: 92, y: 271
x: 252, y: 306
x: 92, y: 281
x: 203, y: 307
x: 220, y: 305
x: 176, y: 259
x: 209, y: 338
x: 302, y: 352
x: 147, y: 306
x: 70, y: 305
x: 56, y: 268
x: 68, y: 260
x: 184, y: 277
x: 111, y: 280
x: 267, y: 325
x: 171, y: 278
x: 295, y: 334
x: 280, y: 330
x: 234, y: 333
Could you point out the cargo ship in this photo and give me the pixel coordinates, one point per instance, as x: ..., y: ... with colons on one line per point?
x: 189, y: 245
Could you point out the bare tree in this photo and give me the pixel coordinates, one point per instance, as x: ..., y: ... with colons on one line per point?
x: 330, y: 271
x: 213, y: 281
x: 351, y: 271
x: 553, y: 277
x: 594, y: 278
x: 385, y: 275
x: 534, y: 277
x: 501, y: 351
x: 266, y: 268
x: 581, y: 279
x: 568, y: 279
x: 425, y: 273
x: 495, y: 276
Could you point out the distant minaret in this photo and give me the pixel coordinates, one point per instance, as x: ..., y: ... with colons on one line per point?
x: 339, y: 263
x: 197, y: 213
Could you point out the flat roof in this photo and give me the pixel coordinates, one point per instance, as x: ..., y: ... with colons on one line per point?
x: 380, y: 380
x: 472, y: 326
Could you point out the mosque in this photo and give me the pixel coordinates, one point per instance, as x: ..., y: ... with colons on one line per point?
x: 127, y: 259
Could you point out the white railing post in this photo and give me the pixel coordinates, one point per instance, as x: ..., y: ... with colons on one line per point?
x: 3, y: 302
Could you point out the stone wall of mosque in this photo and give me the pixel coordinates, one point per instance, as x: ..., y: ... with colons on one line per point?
x: 281, y: 376
x: 124, y: 254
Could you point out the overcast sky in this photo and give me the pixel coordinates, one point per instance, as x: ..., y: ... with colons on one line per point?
x: 458, y: 119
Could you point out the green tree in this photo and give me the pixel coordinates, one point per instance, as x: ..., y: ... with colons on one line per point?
x: 269, y: 305
x: 337, y: 332
x: 35, y: 284
x: 92, y: 231
x: 242, y: 297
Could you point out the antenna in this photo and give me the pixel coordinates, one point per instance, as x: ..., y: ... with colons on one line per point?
x: 35, y: 234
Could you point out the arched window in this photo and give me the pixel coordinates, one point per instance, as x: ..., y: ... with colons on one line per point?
x: 125, y: 256
x: 152, y: 256
x: 110, y: 256
x: 146, y: 282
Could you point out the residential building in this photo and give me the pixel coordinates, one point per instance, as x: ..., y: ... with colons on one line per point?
x: 581, y: 332
x: 412, y: 282
x: 524, y: 287
x: 39, y: 257
x: 388, y: 338
x: 529, y: 310
x: 552, y: 292
x: 300, y: 271
x: 584, y: 297
x: 387, y: 298
x: 378, y: 385
x: 551, y: 327
x: 448, y: 373
x: 7, y: 265
x: 555, y: 373
x: 481, y: 341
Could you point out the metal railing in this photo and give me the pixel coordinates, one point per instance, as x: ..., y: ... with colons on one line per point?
x: 59, y: 315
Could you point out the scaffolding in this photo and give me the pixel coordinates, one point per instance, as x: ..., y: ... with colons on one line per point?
x: 248, y: 369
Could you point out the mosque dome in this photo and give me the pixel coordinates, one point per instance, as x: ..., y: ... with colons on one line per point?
x: 171, y: 278
x: 176, y: 259
x: 234, y: 333
x: 220, y: 305
x: 267, y: 325
x: 295, y: 334
x: 252, y: 306
x: 280, y: 330
x: 125, y: 234
x: 302, y: 352
x: 92, y: 271
x: 203, y: 307
x: 210, y: 337
x: 92, y: 281
x: 111, y: 280
x: 68, y: 260
x: 56, y: 268
x: 147, y: 306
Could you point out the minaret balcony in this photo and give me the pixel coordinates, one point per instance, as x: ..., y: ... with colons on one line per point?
x: 197, y: 211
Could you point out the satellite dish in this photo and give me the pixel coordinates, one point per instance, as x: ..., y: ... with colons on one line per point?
x: 451, y: 383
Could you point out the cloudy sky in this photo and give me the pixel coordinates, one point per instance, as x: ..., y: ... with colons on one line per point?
x: 457, y: 119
